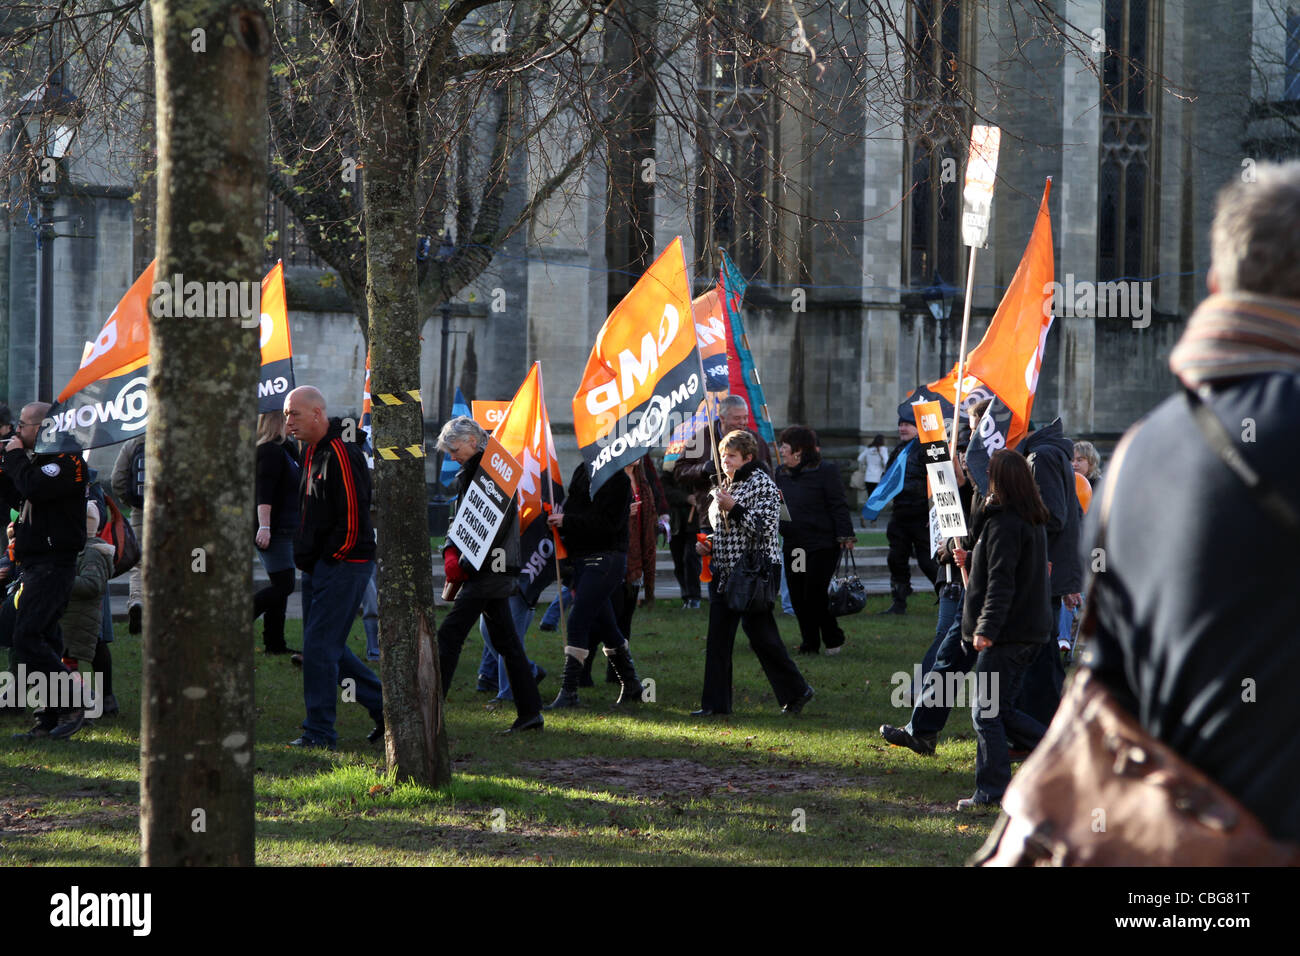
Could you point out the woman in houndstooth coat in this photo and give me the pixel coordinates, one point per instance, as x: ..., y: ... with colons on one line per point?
x: 744, y: 514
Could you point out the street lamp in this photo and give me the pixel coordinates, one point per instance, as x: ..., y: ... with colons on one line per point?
x: 47, y: 115
x: 939, y: 297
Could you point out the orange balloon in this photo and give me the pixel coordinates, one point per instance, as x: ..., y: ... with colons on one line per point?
x: 1083, y: 488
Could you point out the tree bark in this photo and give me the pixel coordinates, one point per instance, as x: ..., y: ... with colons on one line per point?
x: 416, y: 742
x: 196, y: 786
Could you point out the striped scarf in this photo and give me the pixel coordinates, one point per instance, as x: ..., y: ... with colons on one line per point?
x: 1235, y: 335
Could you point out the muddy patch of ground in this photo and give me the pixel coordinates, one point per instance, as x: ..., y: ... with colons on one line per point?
x: 674, y: 778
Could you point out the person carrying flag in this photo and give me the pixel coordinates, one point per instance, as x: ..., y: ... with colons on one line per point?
x: 484, y: 591
x: 908, y: 530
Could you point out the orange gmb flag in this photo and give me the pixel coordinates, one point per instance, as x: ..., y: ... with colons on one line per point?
x: 123, y: 341
x: 107, y: 400
x: 643, y: 376
x: 1007, y: 360
x: 488, y: 414
x: 525, y: 432
x: 711, y: 331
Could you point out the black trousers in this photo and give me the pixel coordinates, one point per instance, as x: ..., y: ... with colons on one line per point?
x: 787, y: 683
x: 623, y: 602
x: 271, y: 601
x: 38, y: 639
x: 1044, y: 679
x: 505, y: 641
x: 908, y: 536
x: 808, y: 595
x: 686, y: 563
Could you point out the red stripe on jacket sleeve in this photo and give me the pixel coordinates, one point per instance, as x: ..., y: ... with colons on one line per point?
x: 349, y: 487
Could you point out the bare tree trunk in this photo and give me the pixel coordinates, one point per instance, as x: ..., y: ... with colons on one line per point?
x: 417, y: 738
x: 196, y: 786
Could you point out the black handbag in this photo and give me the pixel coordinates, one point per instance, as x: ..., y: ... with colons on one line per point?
x: 753, y: 584
x: 846, y: 594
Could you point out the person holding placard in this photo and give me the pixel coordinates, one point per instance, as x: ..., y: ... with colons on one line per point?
x: 485, y: 591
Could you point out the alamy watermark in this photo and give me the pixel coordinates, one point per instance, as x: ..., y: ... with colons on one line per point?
x: 978, y: 691
x: 176, y: 298
x: 67, y: 691
x: 1121, y: 299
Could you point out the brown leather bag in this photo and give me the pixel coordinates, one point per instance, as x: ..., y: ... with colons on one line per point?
x: 1100, y: 791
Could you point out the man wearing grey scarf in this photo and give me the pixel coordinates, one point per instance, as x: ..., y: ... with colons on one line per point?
x: 1197, y: 592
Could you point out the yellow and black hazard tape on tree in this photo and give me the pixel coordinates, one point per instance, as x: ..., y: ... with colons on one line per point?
x: 408, y: 396
x: 396, y: 453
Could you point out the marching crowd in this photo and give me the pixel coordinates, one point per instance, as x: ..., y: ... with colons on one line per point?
x: 1008, y: 593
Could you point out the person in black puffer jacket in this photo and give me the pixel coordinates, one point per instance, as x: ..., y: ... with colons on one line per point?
x: 594, y: 531
x: 1005, y: 617
x: 818, y: 531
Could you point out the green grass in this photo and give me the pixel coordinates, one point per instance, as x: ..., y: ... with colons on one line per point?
x: 596, y: 787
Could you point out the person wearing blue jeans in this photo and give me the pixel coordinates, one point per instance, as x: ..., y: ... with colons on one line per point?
x: 950, y: 597
x: 330, y: 595
x: 999, y: 675
x: 334, y: 548
x: 932, y: 707
x: 370, y: 616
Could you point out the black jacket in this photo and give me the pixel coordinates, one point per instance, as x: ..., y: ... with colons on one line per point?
x: 1007, y: 597
x: 819, y: 512
x: 1197, y: 595
x: 695, y: 471
x: 278, y: 476
x: 911, y: 503
x: 334, y: 502
x: 503, y: 553
x: 1049, y: 453
x: 595, y: 525
x: 49, y: 494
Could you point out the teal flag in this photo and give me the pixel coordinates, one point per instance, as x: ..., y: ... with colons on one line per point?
x: 449, y: 465
x: 891, y: 483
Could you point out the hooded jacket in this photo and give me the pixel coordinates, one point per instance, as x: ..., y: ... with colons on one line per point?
x: 334, y: 501
x: 1049, y: 453
x: 49, y: 493
x: 82, y: 621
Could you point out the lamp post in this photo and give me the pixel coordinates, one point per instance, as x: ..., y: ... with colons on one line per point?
x: 939, y: 297
x: 46, y: 117
x: 441, y: 505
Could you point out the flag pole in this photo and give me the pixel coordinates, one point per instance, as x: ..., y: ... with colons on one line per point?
x: 961, y: 369
x: 709, y: 407
x: 550, y: 494
x: 961, y: 353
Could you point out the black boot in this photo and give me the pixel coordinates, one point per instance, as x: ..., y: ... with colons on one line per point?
x: 898, y: 605
x: 621, y: 661
x: 568, y: 695
x: 611, y: 675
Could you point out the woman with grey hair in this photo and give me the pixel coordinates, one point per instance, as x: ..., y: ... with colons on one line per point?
x: 486, y: 591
